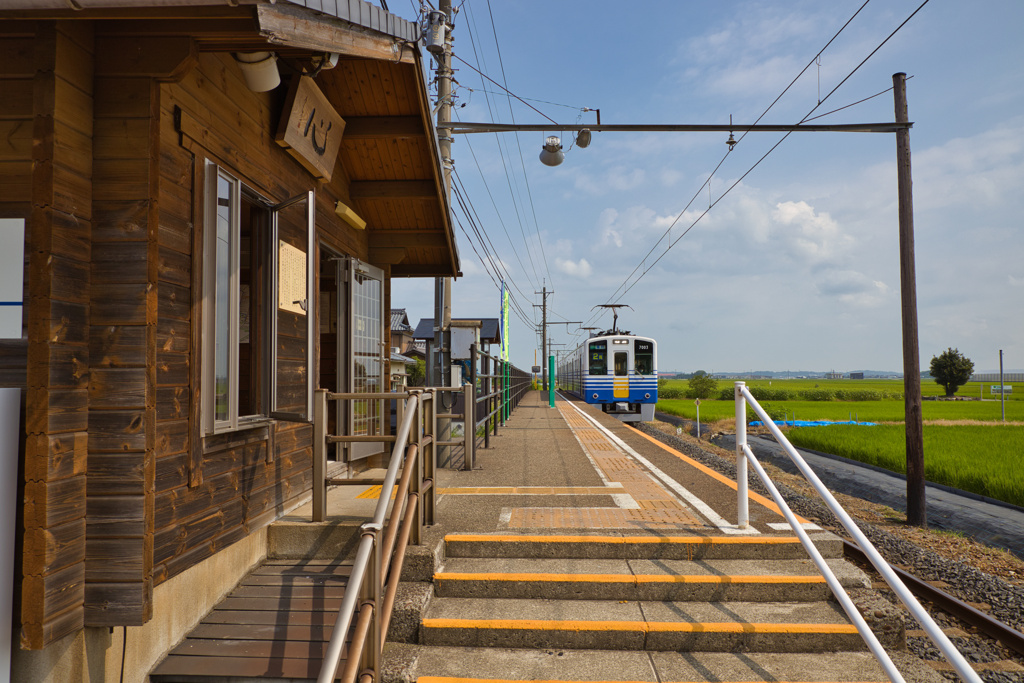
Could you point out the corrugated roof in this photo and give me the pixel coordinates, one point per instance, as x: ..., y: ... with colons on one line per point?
x: 357, y: 12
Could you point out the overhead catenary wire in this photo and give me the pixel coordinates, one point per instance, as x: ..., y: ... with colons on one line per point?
x: 526, y: 178
x: 775, y: 146
x: 707, y: 183
x: 501, y: 152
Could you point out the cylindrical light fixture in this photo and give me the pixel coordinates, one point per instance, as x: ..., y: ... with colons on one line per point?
x: 552, y: 154
x: 259, y: 69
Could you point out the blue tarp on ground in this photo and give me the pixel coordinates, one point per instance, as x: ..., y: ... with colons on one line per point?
x: 813, y: 423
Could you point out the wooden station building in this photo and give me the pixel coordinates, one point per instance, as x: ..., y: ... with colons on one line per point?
x: 214, y: 197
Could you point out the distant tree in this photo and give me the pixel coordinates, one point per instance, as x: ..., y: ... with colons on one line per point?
x: 417, y: 373
x: 702, y: 385
x: 951, y: 369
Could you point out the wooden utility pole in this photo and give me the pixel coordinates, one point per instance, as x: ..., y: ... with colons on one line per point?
x: 544, y: 336
x: 443, y: 286
x: 917, y: 506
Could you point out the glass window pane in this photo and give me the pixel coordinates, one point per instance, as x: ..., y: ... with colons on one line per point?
x: 222, y: 297
x: 367, y: 337
x: 598, y: 358
x: 621, y: 366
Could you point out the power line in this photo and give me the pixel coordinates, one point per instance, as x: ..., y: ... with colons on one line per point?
x: 522, y: 161
x: 772, y: 149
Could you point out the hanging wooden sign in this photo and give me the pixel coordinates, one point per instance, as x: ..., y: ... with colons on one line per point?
x: 310, y: 128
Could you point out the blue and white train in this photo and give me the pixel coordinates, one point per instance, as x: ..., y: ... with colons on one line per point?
x: 617, y: 371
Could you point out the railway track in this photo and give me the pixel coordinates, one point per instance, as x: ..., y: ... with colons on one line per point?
x: 994, y: 647
x: 1008, y: 636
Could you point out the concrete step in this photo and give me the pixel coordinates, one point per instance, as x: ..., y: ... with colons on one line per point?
x: 604, y: 579
x: 449, y: 664
x: 629, y: 625
x: 640, y: 547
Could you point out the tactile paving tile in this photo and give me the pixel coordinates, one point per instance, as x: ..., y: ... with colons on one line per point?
x: 600, y: 518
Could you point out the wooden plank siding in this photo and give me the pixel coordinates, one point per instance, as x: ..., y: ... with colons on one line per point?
x: 212, y: 491
x: 103, y: 148
x: 122, y: 392
x: 57, y: 374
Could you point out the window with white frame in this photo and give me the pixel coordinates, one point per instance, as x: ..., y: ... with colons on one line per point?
x: 257, y: 328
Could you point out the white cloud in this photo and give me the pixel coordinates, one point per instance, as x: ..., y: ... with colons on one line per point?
x: 854, y: 288
x: 578, y: 269
x: 811, y: 237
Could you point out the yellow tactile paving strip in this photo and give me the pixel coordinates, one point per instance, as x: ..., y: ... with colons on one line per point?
x: 374, y: 491
x: 640, y: 626
x: 451, y: 679
x: 657, y: 507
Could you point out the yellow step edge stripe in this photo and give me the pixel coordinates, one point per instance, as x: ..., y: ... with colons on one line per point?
x: 452, y: 679
x: 626, y: 578
x: 623, y: 540
x: 637, y: 626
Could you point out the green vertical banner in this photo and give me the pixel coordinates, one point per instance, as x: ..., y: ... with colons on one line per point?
x: 551, y: 381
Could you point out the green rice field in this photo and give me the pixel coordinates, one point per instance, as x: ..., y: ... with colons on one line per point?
x: 841, y: 411
x: 984, y: 459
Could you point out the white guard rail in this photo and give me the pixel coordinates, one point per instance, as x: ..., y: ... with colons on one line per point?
x: 743, y: 454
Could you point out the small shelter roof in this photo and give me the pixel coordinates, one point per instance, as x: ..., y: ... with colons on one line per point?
x: 389, y: 147
x: 490, y: 329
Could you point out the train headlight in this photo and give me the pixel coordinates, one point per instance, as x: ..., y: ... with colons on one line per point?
x: 594, y: 396
x: 647, y: 395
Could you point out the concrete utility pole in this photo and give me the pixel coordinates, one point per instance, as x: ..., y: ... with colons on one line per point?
x: 443, y: 286
x: 544, y: 336
x: 917, y: 506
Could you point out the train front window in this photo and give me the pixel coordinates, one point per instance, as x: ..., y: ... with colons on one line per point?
x: 621, y: 364
x: 598, y: 359
x: 643, y: 358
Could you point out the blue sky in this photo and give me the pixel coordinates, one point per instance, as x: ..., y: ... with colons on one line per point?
x: 797, y: 266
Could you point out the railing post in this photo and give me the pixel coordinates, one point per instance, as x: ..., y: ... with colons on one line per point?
x: 485, y: 365
x: 416, y: 480
x: 474, y: 359
x: 369, y: 658
x: 320, y: 455
x: 742, y: 515
x: 429, y: 461
x: 469, y: 426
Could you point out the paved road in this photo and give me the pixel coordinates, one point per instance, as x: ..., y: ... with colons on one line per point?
x: 992, y: 524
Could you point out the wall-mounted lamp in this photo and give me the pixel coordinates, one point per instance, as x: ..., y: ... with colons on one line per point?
x: 346, y: 214
x: 259, y: 69
x: 552, y: 154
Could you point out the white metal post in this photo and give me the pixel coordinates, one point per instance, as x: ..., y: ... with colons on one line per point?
x: 742, y: 514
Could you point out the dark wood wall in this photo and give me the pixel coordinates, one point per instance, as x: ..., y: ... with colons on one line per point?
x: 103, y: 156
x: 57, y: 59
x: 213, y: 491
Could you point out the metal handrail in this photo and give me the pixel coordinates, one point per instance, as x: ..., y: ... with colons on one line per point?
x: 743, y: 454
x: 368, y: 562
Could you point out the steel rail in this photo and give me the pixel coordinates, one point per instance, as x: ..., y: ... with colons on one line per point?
x: 359, y: 633
x: 396, y: 569
x: 986, y: 623
x: 370, y: 533
x: 391, y: 531
x: 830, y: 578
x: 942, y: 642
